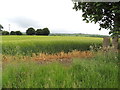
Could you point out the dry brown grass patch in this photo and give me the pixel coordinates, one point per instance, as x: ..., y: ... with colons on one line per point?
x: 44, y: 57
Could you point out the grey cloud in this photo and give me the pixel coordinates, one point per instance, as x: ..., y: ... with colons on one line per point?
x: 24, y: 22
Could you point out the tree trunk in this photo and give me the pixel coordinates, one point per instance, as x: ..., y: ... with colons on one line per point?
x: 115, y: 38
x: 106, y: 42
x: 115, y: 43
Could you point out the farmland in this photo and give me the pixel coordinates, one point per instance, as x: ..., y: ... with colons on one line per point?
x: 57, y: 62
x: 36, y: 44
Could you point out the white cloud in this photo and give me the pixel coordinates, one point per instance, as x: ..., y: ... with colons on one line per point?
x: 57, y: 15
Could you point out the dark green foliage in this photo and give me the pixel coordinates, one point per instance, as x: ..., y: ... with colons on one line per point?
x: 18, y: 33
x: 12, y: 33
x: 107, y: 14
x: 46, y: 31
x: 30, y: 31
x: 1, y: 27
x: 39, y: 32
x: 5, y: 33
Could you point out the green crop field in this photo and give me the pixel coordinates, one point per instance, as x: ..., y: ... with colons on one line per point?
x: 20, y: 70
x: 48, y: 44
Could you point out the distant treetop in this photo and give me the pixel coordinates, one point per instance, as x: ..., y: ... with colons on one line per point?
x: 30, y: 31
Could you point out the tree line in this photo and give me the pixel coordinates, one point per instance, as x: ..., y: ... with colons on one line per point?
x: 29, y: 31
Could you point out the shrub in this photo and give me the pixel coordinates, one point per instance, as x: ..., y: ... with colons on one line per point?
x: 5, y: 33
x: 46, y: 31
x: 18, y: 33
x: 39, y: 32
x: 30, y: 31
x: 12, y: 33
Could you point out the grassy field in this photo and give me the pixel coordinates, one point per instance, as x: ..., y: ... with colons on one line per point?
x: 97, y: 72
x: 57, y: 62
x: 27, y: 45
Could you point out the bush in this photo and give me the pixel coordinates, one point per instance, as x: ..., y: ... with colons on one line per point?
x: 30, y: 31
x: 12, y: 33
x: 39, y: 32
x: 46, y: 31
x: 5, y: 33
x: 18, y: 33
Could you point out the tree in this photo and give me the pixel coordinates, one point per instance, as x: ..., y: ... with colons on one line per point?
x: 46, y: 31
x: 107, y: 14
x: 18, y: 33
x: 39, y: 32
x: 30, y: 31
x: 5, y: 33
x: 1, y: 27
x: 12, y: 33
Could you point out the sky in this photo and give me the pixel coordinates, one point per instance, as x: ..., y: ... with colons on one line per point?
x: 57, y: 15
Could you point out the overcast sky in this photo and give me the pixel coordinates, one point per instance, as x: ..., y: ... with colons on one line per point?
x: 57, y: 15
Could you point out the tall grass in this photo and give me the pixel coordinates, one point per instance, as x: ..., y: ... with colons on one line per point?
x: 98, y: 72
x: 101, y: 71
x: 26, y: 45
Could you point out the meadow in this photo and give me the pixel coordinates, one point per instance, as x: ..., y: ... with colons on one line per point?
x: 57, y: 62
x: 98, y: 72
